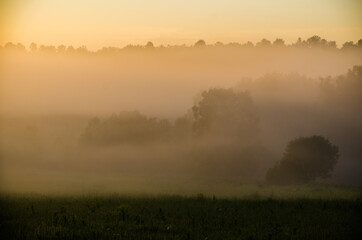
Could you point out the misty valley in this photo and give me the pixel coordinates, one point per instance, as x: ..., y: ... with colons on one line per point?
x: 148, y: 142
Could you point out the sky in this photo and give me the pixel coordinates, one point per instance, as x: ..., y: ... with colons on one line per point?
x: 98, y: 23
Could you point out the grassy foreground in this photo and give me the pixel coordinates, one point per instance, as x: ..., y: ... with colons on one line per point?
x: 175, y: 217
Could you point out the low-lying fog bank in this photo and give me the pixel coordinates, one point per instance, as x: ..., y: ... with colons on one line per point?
x: 175, y: 122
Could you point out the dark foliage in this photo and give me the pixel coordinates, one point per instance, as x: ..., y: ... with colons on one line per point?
x: 126, y: 128
x: 177, y: 218
x: 315, y: 42
x: 344, y: 92
x: 200, y: 43
x: 224, y: 113
x: 305, y: 159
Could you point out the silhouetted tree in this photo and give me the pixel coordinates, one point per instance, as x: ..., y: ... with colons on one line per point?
x: 224, y: 113
x: 61, y: 49
x: 344, y: 92
x: 264, y: 43
x: 234, y: 44
x: 359, y: 43
x: 149, y: 45
x: 348, y: 45
x: 70, y: 49
x: 15, y: 47
x: 279, y: 42
x: 33, y: 47
x: 47, y: 49
x: 332, y: 44
x: 9, y: 46
x: 299, y: 43
x: 323, y: 43
x: 82, y: 50
x: 126, y: 128
x: 304, y: 160
x: 109, y: 50
x: 132, y: 47
x: 248, y: 44
x: 21, y: 47
x: 200, y: 43
x: 314, y: 41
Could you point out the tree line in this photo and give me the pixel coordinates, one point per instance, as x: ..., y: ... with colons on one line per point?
x: 314, y: 42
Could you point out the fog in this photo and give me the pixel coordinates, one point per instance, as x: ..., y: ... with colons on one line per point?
x: 172, y: 119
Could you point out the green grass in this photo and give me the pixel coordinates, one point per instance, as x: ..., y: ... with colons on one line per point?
x: 175, y: 217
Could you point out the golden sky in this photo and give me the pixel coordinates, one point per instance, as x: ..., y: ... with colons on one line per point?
x: 97, y: 23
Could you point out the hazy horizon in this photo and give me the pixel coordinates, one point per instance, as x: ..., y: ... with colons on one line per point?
x: 118, y: 23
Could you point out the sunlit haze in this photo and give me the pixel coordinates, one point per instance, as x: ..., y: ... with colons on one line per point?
x: 180, y: 119
x: 98, y: 23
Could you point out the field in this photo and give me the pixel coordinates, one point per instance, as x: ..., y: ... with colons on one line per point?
x: 106, y: 216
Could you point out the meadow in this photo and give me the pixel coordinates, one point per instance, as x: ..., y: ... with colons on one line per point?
x: 325, y: 212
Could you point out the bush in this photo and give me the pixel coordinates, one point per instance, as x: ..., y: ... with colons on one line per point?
x: 305, y: 159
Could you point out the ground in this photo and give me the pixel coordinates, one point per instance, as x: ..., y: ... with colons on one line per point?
x: 106, y: 216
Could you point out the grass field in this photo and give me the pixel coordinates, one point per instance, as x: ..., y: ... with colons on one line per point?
x: 175, y: 217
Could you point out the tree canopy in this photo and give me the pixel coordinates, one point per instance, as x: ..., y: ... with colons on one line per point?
x: 225, y: 113
x: 315, y: 42
x: 304, y: 160
x: 128, y: 127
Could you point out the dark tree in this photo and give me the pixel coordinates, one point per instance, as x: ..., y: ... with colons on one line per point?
x: 279, y: 42
x: 248, y: 44
x: 225, y: 113
x: 47, y: 49
x: 61, y: 48
x: 149, y: 45
x: 15, y: 47
x: 70, y: 49
x: 264, y: 43
x: 359, y: 43
x: 314, y: 41
x: 33, y: 47
x: 128, y: 127
x: 344, y: 92
x: 332, y: 44
x: 200, y: 43
x: 305, y: 159
x: 300, y: 43
x: 349, y: 45
x: 82, y: 50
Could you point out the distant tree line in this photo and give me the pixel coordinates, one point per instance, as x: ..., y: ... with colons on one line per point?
x: 220, y: 114
x: 313, y: 42
x: 221, y: 127
x: 128, y: 127
x: 344, y: 92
